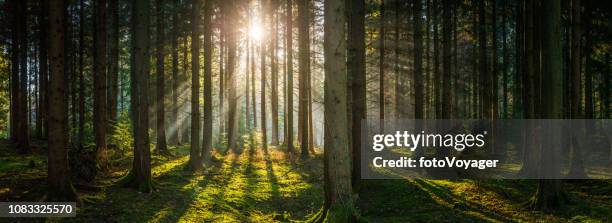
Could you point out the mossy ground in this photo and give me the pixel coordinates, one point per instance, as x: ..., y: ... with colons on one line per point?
x: 258, y: 186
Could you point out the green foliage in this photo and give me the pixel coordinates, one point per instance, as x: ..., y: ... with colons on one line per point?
x: 121, y: 136
x: 4, y: 94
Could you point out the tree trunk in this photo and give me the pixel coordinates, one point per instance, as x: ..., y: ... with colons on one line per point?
x: 485, y: 78
x: 549, y: 193
x: 304, y: 71
x: 43, y: 75
x: 232, y: 130
x: 194, y: 156
x: 274, y: 73
x: 338, y: 191
x: 100, y: 116
x: 160, y: 147
x: 140, y: 175
x: 81, y: 99
x: 113, y: 62
x: 576, y: 170
x: 58, y: 174
x: 381, y: 64
x: 289, y: 90
x: 418, y: 61
x: 262, y: 55
x: 174, y: 135
x: 208, y: 106
x: 356, y: 59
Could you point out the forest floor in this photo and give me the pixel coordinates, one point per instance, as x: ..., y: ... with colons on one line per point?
x: 258, y: 186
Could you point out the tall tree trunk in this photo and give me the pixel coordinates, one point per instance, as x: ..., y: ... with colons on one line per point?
x: 253, y: 95
x: 100, y: 116
x: 113, y: 62
x: 208, y: 106
x: 289, y: 93
x: 506, y: 59
x: 485, y: 77
x: 381, y: 64
x: 338, y: 191
x: 418, y: 61
x: 43, y: 75
x: 549, y: 193
x: 174, y: 135
x: 356, y: 59
x: 247, y: 91
x: 304, y: 71
x: 398, y: 78
x: 194, y: 155
x: 232, y: 127
x: 274, y: 72
x: 140, y: 175
x: 436, y: 64
x: 494, y: 73
x: 81, y: 100
x: 576, y: 170
x: 59, y: 186
x: 262, y: 55
x: 160, y: 147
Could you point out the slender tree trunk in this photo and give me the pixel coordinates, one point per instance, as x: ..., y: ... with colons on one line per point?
x: 262, y: 55
x: 43, y: 75
x: 494, y: 72
x: 58, y: 174
x: 418, y: 61
x: 232, y: 127
x: 247, y: 91
x: 485, y: 77
x: 381, y: 64
x: 174, y: 135
x: 161, y: 147
x: 81, y: 100
x: 194, y: 156
x: 506, y: 59
x: 356, y: 59
x: 253, y: 95
x: 289, y: 90
x: 100, y: 116
x: 576, y: 165
x: 398, y: 79
x: 304, y: 71
x: 274, y: 72
x: 113, y: 62
x: 436, y: 55
x: 208, y: 106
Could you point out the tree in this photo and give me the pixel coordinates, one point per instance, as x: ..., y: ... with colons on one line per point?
x: 549, y: 195
x: 43, y: 75
x: 81, y: 98
x: 208, y: 115
x: 304, y: 71
x: 274, y: 71
x: 194, y: 155
x: 174, y: 135
x: 59, y: 186
x: 139, y: 176
x: 100, y: 85
x: 381, y: 63
x: 418, y: 54
x: 161, y: 147
x: 113, y: 65
x: 289, y: 84
x: 19, y: 117
x: 357, y: 75
x: 232, y: 104
x: 338, y: 197
x: 262, y: 55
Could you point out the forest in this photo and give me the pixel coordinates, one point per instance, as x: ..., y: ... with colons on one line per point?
x: 256, y: 110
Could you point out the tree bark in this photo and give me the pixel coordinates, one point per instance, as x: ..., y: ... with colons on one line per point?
x: 161, y: 147
x: 418, y: 61
x: 381, y: 64
x: 289, y: 90
x: 174, y: 135
x: 100, y: 116
x: 338, y: 189
x: 304, y: 71
x: 194, y: 156
x: 274, y: 72
x: 43, y: 75
x: 208, y: 106
x: 549, y: 193
x: 58, y: 174
x: 113, y: 65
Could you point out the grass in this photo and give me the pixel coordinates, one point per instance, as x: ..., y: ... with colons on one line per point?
x: 259, y: 186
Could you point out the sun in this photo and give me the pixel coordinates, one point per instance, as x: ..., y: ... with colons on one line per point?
x: 256, y: 31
